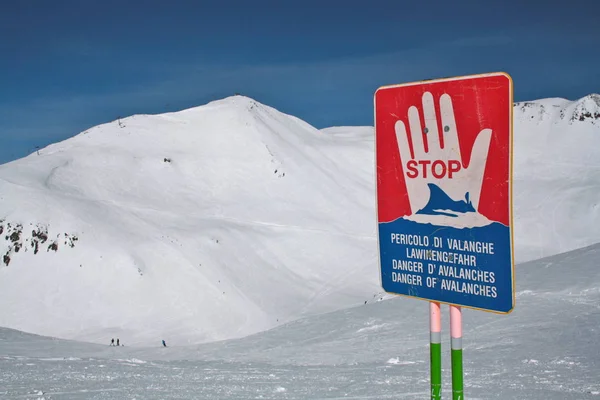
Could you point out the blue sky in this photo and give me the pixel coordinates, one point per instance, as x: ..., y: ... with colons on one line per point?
x: 70, y: 65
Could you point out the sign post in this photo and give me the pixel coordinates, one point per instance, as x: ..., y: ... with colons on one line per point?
x: 456, y: 352
x: 444, y: 199
x: 435, y: 349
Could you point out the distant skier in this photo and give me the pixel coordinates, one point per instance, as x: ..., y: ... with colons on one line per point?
x: 112, y: 342
x: 117, y: 341
x: 164, y: 344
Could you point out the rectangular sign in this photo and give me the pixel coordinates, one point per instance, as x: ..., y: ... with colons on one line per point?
x: 444, y: 190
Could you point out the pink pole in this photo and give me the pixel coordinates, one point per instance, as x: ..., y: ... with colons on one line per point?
x: 435, y: 317
x: 456, y: 352
x: 455, y: 322
x: 435, y: 346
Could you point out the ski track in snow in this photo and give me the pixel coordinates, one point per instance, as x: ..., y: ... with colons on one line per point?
x: 112, y: 379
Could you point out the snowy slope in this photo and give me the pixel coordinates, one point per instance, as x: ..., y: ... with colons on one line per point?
x: 557, y: 175
x: 231, y: 218
x: 547, y: 349
x: 210, y: 223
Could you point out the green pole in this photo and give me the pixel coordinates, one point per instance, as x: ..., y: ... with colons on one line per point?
x: 457, y: 375
x: 456, y: 353
x: 435, y: 350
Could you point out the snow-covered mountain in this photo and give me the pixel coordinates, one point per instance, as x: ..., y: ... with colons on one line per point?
x: 210, y: 223
x: 231, y: 218
x: 556, y: 175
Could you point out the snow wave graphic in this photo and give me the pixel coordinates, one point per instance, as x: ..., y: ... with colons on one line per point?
x: 441, y: 210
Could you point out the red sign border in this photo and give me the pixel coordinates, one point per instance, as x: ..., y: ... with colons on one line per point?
x: 510, y: 177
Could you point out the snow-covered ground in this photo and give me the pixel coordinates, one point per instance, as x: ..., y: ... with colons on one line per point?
x: 547, y: 348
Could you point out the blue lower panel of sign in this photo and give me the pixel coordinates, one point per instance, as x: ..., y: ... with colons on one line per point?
x: 468, y: 267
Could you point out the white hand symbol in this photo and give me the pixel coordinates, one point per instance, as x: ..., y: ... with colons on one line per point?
x: 441, y: 166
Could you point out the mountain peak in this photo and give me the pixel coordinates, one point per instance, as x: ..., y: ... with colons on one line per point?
x: 233, y: 103
x: 233, y: 100
x: 587, y: 109
x: 583, y: 110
